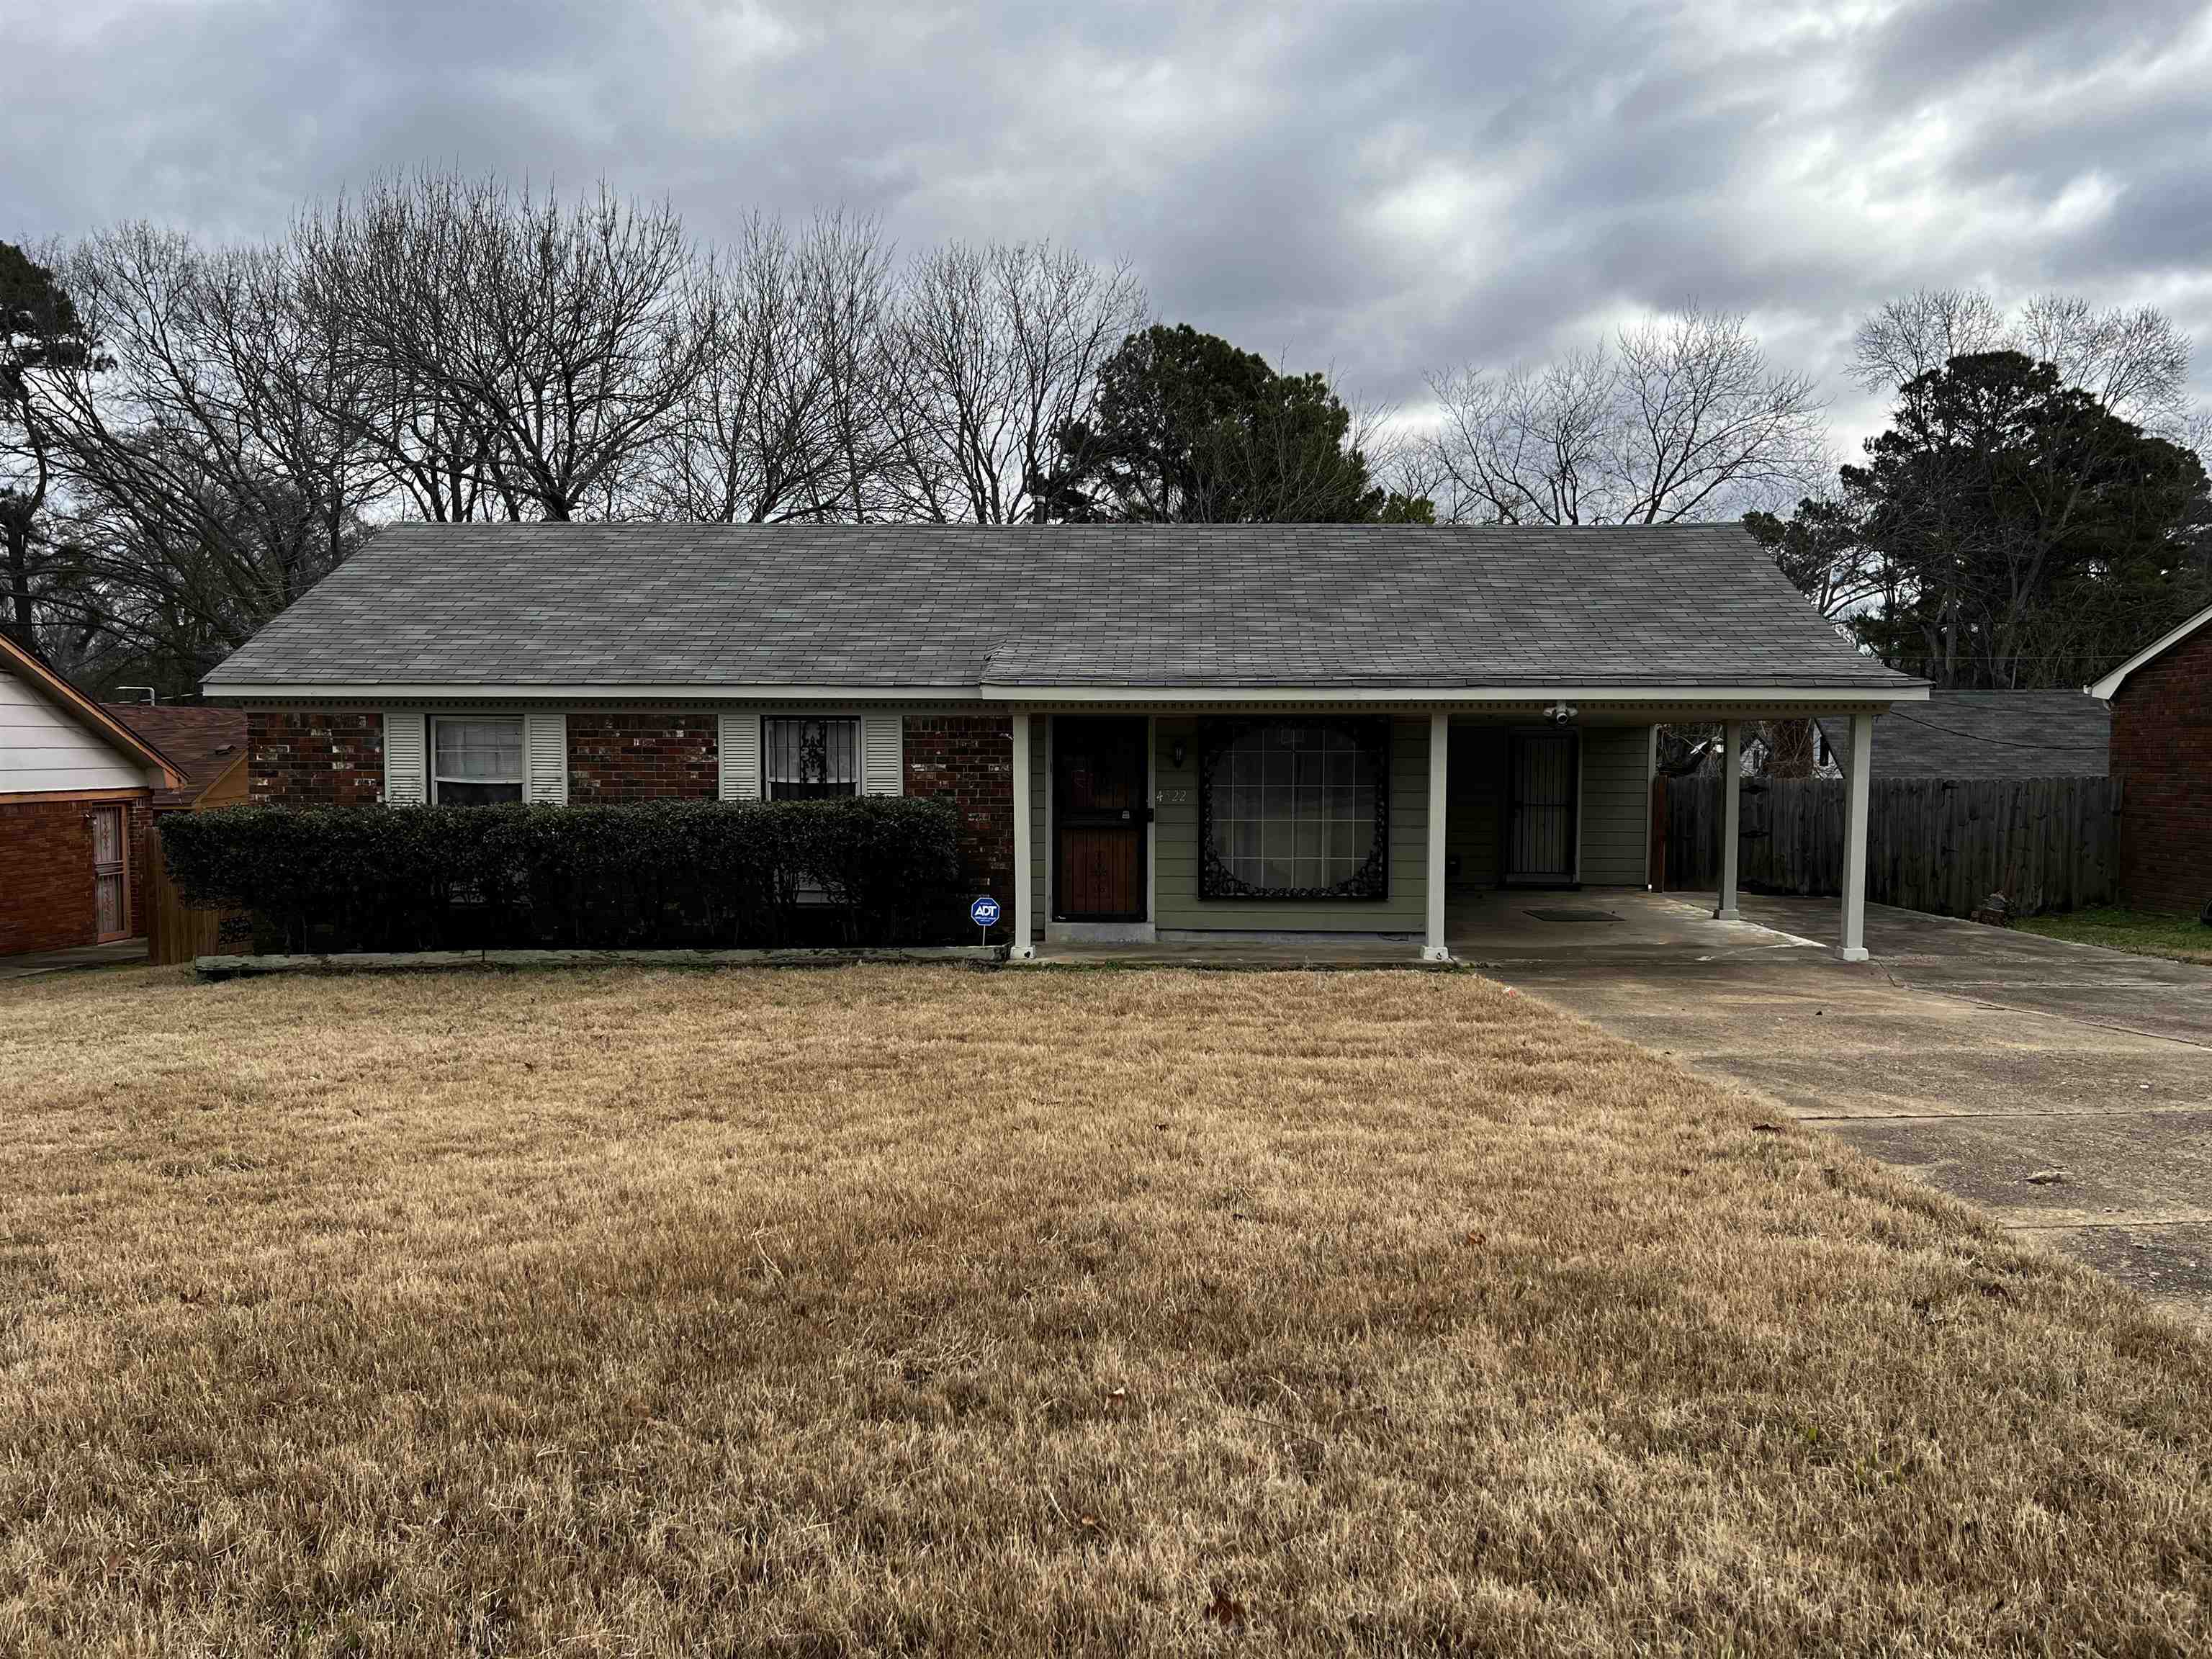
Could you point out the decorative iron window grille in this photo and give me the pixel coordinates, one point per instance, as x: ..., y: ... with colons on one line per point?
x: 805, y: 757
x: 1294, y: 809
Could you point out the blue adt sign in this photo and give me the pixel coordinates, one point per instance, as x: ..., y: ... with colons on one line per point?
x: 984, y: 912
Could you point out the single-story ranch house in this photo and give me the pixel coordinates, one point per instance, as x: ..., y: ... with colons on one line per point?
x: 1152, y: 732
x: 75, y: 788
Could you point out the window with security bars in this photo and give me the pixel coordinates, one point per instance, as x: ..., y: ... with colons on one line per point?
x: 1295, y: 811
x: 803, y: 757
x: 474, y: 762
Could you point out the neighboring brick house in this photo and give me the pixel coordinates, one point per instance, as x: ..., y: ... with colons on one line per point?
x: 75, y: 793
x: 2161, y: 702
x: 206, y: 744
x: 1148, y: 731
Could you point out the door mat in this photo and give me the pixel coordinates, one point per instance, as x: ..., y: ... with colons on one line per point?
x: 1574, y: 915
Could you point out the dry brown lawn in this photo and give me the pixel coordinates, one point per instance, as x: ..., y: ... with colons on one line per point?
x: 919, y: 1310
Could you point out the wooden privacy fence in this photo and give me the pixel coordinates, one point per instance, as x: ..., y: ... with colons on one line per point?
x: 175, y: 931
x: 1936, y: 844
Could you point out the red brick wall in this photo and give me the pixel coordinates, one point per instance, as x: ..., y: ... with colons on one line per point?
x: 2162, y: 753
x: 969, y: 760
x: 315, y: 760
x: 642, y: 756
x: 137, y: 827
x: 45, y: 872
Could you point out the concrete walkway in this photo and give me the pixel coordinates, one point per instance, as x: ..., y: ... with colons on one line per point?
x: 80, y: 956
x: 2066, y: 1088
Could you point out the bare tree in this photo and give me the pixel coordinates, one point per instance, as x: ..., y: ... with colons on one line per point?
x: 1907, y: 337
x: 1681, y: 418
x: 212, y: 470
x: 38, y: 330
x: 536, y: 349
x: 784, y: 420
x: 2134, y: 361
x: 994, y: 352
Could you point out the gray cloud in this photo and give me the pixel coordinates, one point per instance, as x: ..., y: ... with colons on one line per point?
x: 1379, y: 188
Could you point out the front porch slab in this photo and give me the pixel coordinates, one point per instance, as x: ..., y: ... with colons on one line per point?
x: 1517, y: 925
x: 1293, y: 951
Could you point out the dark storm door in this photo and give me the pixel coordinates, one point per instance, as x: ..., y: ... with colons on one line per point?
x: 1541, y: 828
x: 111, y: 883
x: 1098, y: 813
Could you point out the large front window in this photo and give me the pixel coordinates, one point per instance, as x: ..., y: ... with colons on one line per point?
x: 810, y: 758
x: 474, y: 760
x: 1295, y: 809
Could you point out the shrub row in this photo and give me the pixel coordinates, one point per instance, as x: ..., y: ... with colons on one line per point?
x: 659, y: 874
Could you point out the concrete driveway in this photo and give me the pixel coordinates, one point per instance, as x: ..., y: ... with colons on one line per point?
x: 2065, y: 1089
x: 37, y: 962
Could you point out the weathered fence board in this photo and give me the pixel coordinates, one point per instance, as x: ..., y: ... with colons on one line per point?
x: 1932, y: 843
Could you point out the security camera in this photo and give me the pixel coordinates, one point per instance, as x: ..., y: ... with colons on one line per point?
x: 1560, y: 713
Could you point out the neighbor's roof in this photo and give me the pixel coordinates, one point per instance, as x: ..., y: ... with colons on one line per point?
x: 1990, y: 734
x: 2109, y: 687
x: 16, y: 661
x: 204, y: 742
x: 916, y: 607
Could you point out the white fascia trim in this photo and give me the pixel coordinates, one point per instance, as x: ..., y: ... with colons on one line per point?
x: 2108, y: 688
x: 394, y: 691
x: 1834, y: 697
x: 1817, y: 696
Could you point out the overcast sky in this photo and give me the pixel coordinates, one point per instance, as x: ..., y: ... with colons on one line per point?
x: 1377, y: 189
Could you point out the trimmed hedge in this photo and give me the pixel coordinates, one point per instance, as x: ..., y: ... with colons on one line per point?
x: 659, y: 874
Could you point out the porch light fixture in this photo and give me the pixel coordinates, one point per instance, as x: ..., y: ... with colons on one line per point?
x: 1178, y: 752
x: 1561, y: 713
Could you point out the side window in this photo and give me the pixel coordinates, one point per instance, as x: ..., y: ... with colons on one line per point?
x: 806, y: 757
x: 474, y: 760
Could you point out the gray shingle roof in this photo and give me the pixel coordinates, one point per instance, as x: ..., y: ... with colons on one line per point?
x: 1213, y: 606
x: 1991, y: 735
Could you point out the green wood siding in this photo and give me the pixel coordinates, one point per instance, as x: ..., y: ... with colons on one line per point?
x: 1616, y: 796
x: 1175, y: 843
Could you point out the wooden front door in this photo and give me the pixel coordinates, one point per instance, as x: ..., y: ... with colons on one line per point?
x: 110, y: 884
x: 1541, y: 836
x: 1099, y: 810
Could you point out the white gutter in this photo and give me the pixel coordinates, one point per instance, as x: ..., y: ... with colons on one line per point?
x: 442, y: 691
x: 1819, y: 696
x: 402, y: 691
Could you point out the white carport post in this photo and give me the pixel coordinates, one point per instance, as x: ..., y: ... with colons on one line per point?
x: 1024, y: 946
x: 1860, y: 773
x: 1434, y: 949
x: 1731, y: 817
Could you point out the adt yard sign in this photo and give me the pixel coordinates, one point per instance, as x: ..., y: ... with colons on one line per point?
x: 984, y: 912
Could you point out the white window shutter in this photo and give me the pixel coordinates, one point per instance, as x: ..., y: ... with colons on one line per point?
x: 545, y: 758
x: 406, y: 768
x: 739, y: 744
x: 883, y: 754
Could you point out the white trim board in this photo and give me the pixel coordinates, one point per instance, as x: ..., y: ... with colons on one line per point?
x: 2109, y: 687
x: 1830, y: 697
x: 1416, y: 696
x: 658, y: 694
